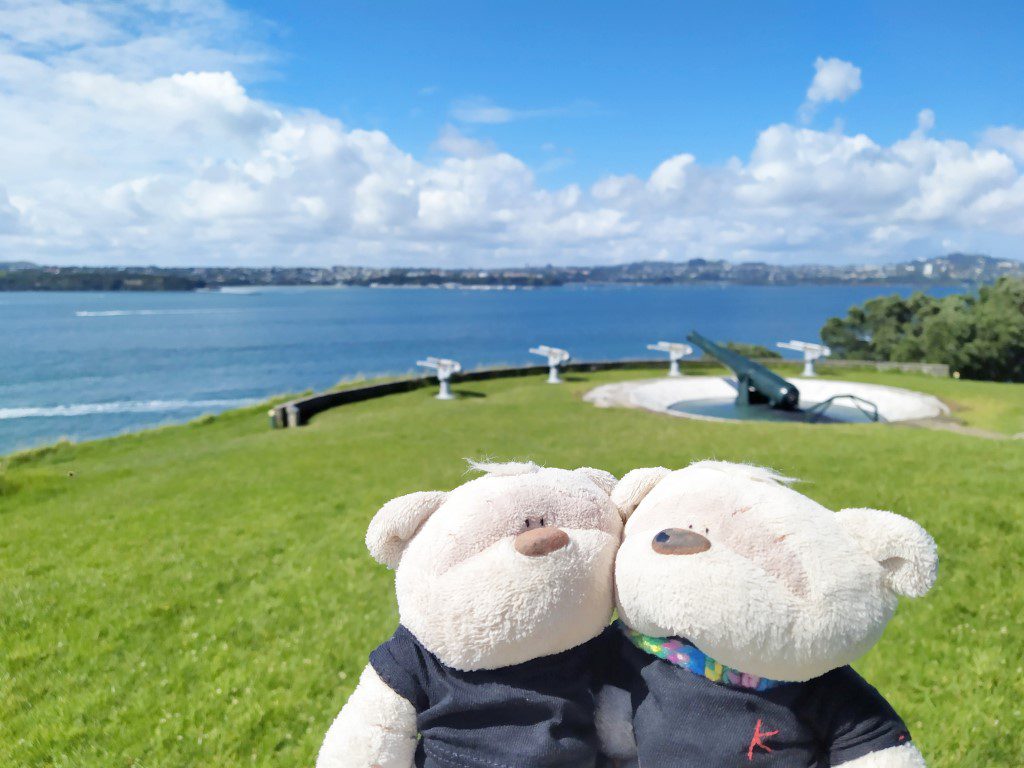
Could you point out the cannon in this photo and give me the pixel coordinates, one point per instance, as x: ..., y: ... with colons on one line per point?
x: 556, y: 358
x: 444, y: 369
x: 755, y: 384
x: 810, y: 350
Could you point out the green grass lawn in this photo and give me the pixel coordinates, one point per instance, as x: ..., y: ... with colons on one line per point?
x: 200, y: 595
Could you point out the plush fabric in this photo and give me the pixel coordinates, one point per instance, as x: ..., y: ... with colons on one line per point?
x: 682, y: 718
x: 474, y: 606
x: 476, y: 603
x: 787, y: 590
x: 906, y: 756
x: 539, y: 713
x: 614, y: 722
x: 377, y: 727
x: 765, y: 580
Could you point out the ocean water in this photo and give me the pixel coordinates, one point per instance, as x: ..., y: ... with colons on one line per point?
x: 87, y: 365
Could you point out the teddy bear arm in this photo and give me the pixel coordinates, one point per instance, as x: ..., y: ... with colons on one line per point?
x: 375, y: 729
x: 614, y: 720
x: 903, y: 756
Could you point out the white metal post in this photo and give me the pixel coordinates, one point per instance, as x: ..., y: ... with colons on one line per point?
x: 676, y: 352
x: 556, y: 357
x: 810, y: 350
x: 808, y: 365
x: 445, y: 392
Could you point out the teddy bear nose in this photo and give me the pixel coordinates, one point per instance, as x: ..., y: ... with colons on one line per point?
x: 679, y: 541
x: 540, y: 541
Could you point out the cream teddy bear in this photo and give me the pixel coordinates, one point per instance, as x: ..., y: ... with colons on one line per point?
x: 501, y: 583
x: 741, y: 605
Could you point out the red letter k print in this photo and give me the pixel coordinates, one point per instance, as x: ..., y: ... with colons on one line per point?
x: 758, y: 740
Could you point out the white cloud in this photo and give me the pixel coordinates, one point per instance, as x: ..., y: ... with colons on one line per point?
x: 125, y: 140
x: 452, y: 141
x: 925, y: 120
x: 1007, y: 138
x: 834, y: 80
x: 670, y: 176
x: 482, y: 112
x: 37, y: 24
x: 485, y: 112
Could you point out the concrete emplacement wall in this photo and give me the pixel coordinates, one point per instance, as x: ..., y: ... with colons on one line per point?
x: 296, y: 413
x: 894, y: 404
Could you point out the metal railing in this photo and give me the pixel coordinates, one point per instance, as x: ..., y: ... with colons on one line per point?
x: 817, y: 411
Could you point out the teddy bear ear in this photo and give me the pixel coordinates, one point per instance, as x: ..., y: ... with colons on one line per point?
x: 634, y: 486
x: 903, y: 548
x: 394, y: 525
x: 604, y: 480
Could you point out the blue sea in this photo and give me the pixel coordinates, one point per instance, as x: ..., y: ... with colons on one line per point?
x: 88, y: 365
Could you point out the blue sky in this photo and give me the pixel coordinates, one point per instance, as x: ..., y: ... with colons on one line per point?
x: 619, y: 87
x: 485, y: 134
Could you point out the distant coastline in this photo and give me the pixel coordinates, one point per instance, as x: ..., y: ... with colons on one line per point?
x: 952, y: 269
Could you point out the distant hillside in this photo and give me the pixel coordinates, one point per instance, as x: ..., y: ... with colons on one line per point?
x: 952, y: 269
x: 91, y: 279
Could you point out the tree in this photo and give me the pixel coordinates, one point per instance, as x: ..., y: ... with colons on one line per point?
x: 751, y: 350
x: 979, y: 334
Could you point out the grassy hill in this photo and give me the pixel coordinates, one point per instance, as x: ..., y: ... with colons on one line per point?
x: 200, y: 595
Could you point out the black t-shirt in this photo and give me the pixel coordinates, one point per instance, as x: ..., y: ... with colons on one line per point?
x: 683, y: 719
x: 539, y: 714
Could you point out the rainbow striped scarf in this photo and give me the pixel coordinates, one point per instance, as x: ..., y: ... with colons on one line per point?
x: 678, y: 651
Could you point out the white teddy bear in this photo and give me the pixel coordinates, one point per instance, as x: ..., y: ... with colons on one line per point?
x: 741, y: 605
x: 501, y: 583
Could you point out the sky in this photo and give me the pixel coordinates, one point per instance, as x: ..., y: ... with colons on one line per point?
x: 197, y: 132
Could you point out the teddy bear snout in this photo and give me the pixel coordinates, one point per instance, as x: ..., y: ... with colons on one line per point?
x: 536, y: 542
x: 679, y: 541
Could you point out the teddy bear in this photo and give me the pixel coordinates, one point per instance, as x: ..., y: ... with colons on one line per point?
x: 741, y: 604
x: 502, y: 585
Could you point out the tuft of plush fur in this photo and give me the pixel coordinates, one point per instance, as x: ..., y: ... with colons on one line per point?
x: 377, y: 727
x: 634, y: 486
x: 746, y: 471
x: 787, y: 589
x: 397, y: 522
x: 614, y: 720
x: 606, y: 481
x: 503, y: 469
x: 903, y: 548
x: 903, y: 756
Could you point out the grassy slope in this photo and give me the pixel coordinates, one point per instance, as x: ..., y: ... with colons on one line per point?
x: 200, y: 595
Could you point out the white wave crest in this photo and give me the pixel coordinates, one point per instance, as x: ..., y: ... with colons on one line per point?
x: 128, y: 312
x: 124, y: 406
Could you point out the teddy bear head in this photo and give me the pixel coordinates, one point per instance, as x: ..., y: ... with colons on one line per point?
x: 760, y: 577
x: 512, y: 566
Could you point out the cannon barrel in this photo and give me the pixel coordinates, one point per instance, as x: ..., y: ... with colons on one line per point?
x: 755, y: 383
